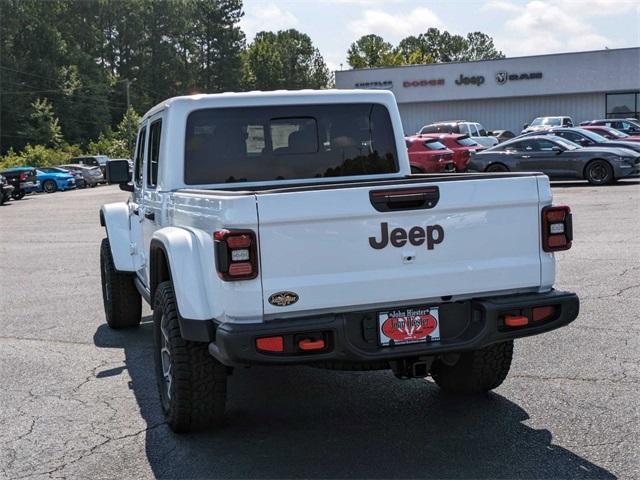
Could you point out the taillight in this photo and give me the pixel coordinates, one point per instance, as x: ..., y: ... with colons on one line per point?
x: 557, y: 228
x: 236, y: 254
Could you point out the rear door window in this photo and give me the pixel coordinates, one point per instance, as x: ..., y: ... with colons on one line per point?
x: 137, y: 173
x: 248, y: 144
x: 153, y: 153
x: 435, y: 145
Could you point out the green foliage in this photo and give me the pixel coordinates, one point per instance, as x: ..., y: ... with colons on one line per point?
x: 284, y: 60
x: 39, y: 156
x: 107, y: 144
x: 371, y: 51
x: 431, y: 46
x: 43, y: 127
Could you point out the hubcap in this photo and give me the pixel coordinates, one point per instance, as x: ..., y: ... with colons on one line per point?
x: 165, y: 357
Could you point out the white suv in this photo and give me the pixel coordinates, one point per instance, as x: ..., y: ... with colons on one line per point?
x: 475, y: 131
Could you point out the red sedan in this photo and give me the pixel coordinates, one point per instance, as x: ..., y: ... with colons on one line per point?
x: 461, y: 145
x: 428, y: 155
x: 611, y: 133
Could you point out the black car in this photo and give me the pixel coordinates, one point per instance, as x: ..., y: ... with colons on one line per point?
x: 630, y: 126
x: 586, y: 138
x: 5, y: 190
x: 23, y: 180
x: 558, y: 158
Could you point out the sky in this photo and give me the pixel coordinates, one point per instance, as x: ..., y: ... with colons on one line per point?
x: 518, y: 27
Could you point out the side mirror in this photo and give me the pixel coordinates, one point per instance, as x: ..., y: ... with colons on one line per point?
x: 558, y: 149
x: 525, y: 126
x: 117, y: 171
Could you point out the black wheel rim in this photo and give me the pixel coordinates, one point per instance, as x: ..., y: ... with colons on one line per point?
x: 48, y: 187
x: 599, y: 173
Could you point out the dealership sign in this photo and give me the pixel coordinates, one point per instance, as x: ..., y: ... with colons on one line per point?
x: 433, y: 82
x: 475, y: 80
x: 503, y: 77
x: 384, y: 84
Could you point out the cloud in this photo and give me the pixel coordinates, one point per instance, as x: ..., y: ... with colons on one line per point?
x: 395, y: 27
x: 542, y: 26
x: 268, y: 17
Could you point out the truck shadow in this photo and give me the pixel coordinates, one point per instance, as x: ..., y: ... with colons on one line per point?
x: 312, y: 423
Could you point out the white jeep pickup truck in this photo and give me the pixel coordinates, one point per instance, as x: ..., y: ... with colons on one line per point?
x: 282, y: 228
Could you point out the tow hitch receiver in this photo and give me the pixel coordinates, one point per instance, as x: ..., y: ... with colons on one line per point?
x: 406, y: 369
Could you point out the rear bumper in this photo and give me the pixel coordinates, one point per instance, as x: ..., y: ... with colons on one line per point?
x: 353, y: 337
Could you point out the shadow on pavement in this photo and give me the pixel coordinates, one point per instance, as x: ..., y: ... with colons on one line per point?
x: 306, y: 422
x: 581, y: 183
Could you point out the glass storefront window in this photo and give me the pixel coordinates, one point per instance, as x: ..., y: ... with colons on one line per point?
x: 622, y: 105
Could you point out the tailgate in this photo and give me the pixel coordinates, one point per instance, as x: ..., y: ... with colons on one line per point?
x: 332, y: 249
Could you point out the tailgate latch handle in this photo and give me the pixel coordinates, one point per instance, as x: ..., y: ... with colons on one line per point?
x: 405, y: 199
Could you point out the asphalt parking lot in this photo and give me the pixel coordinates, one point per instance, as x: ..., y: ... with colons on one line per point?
x: 79, y: 400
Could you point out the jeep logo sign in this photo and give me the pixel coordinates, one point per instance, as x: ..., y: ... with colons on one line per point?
x: 432, y: 236
x: 463, y: 80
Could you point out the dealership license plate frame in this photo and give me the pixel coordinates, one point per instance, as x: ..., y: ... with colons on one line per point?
x: 411, y: 338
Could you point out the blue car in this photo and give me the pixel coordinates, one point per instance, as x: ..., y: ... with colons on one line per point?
x: 52, y: 179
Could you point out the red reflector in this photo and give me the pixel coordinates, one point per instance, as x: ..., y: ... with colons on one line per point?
x: 555, y: 215
x: 307, y: 344
x: 239, y: 241
x: 556, y: 241
x: 270, y: 344
x: 220, y: 235
x: 240, y: 269
x: 515, y: 320
x: 543, y: 313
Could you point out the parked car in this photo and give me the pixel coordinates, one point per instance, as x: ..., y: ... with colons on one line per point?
x: 611, y: 133
x: 474, y: 130
x: 23, y: 180
x: 630, y: 126
x: 6, y: 189
x: 461, y: 145
x: 93, y: 161
x: 558, y: 158
x: 502, y: 135
x: 92, y: 175
x: 53, y: 179
x: 428, y: 155
x: 544, y: 123
x: 586, y: 138
x: 79, y: 178
x: 357, y: 265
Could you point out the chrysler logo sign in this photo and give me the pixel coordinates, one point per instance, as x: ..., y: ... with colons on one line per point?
x: 503, y: 77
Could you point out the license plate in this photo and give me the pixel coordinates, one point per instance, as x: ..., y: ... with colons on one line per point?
x: 409, y: 325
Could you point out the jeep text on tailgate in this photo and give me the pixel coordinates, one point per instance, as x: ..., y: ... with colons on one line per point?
x: 286, y: 228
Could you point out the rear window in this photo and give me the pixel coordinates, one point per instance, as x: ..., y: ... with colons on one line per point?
x: 248, y: 144
x: 440, y: 128
x: 466, y: 142
x: 435, y: 145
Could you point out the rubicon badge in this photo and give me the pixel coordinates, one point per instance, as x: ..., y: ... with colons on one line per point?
x: 283, y: 299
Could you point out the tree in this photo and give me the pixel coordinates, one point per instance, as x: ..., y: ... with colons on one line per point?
x: 286, y: 59
x: 440, y: 47
x: 372, y: 51
x: 44, y: 127
x: 127, y: 129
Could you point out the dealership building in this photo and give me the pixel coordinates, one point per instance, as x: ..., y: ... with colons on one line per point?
x: 507, y: 93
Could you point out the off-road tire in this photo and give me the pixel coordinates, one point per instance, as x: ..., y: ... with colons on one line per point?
x: 122, y: 301
x: 194, y: 398
x: 477, y: 371
x: 599, y: 172
x: 49, y: 186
